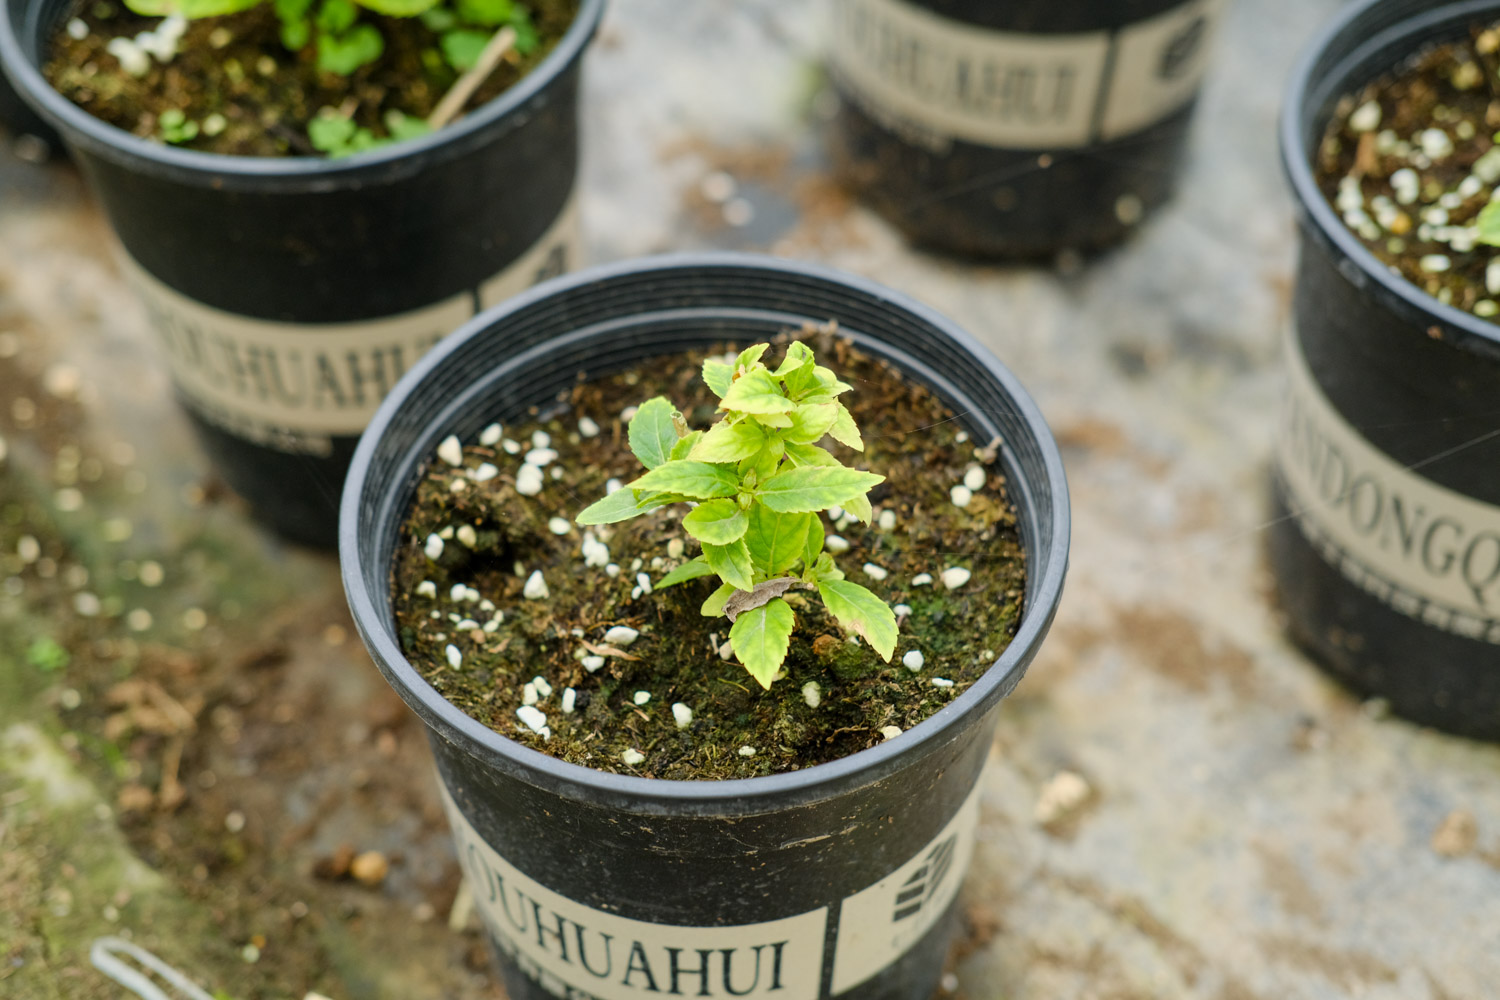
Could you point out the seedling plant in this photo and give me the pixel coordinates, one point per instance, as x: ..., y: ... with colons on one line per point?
x: 755, y: 484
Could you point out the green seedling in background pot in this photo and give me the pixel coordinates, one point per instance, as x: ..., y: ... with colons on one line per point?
x: 757, y: 481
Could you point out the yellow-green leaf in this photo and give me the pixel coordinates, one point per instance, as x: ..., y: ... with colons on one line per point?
x: 760, y: 638
x: 717, y: 375
x: 859, y: 508
x: 811, y: 421
x: 776, y: 541
x: 732, y: 563
x: 699, y: 480
x: 621, y: 505
x: 815, y: 487
x: 809, y: 454
x: 726, y: 442
x: 1489, y: 224
x: 844, y: 431
x: 858, y: 610
x: 797, y: 356
x: 756, y: 392
x: 653, y: 431
x: 716, y: 522
x: 685, y: 445
x: 749, y: 356
x: 713, y: 607
x: 690, y: 570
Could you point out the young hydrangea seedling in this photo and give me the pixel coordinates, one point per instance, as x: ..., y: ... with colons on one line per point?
x: 759, y: 480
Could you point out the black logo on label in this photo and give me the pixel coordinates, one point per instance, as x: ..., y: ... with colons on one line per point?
x: 1178, y: 54
x: 926, y: 880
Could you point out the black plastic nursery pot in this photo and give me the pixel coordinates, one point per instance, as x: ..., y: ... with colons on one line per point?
x: 289, y: 294
x: 1016, y: 129
x: 836, y: 880
x: 18, y: 119
x: 1386, y: 543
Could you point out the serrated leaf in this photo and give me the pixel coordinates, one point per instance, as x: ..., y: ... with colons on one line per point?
x: 809, y: 454
x: 858, y: 610
x: 713, y: 607
x: 653, y: 432
x: 764, y: 462
x: 685, y: 445
x: 690, y: 570
x: 776, y: 420
x: 699, y: 480
x: 830, y: 382
x: 797, y: 356
x: 717, y: 376
x: 756, y: 392
x: 813, y: 546
x: 844, y: 431
x: 810, y: 421
x: 826, y: 569
x: 732, y: 563
x: 749, y: 356
x: 814, y: 488
x: 621, y: 505
x: 776, y: 541
x: 717, y: 522
x: 859, y: 508
x: 726, y: 442
x: 760, y: 638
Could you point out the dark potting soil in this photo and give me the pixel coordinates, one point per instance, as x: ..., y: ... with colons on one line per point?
x: 235, y: 67
x: 470, y: 597
x: 1411, y: 160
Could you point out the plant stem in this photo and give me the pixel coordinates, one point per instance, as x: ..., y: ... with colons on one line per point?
x: 463, y: 88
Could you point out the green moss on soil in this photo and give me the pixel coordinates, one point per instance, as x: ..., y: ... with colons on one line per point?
x: 911, y: 438
x: 236, y: 66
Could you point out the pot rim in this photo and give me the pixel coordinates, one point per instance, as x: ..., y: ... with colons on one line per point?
x: 1318, y: 219
x: 734, y: 796
x: 286, y: 174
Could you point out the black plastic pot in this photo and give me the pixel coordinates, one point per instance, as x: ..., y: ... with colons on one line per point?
x: 18, y: 118
x: 1016, y: 129
x: 834, y: 880
x: 1386, y: 546
x: 289, y: 294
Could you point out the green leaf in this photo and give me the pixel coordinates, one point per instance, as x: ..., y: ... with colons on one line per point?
x: 797, y: 356
x: 336, y: 16
x: 809, y: 454
x: 699, y: 480
x: 732, y: 563
x: 398, y: 8
x: 749, y: 356
x: 756, y: 392
x: 527, y: 37
x: 47, y: 654
x: 760, y: 638
x: 713, y: 607
x: 861, y: 611
x: 778, y: 420
x: 776, y: 541
x: 295, y: 34
x: 813, y: 488
x: 685, y: 445
x: 1489, y: 224
x: 765, y: 462
x: 859, y: 508
x: 690, y: 570
x: 811, y: 421
x: 402, y: 126
x: 439, y: 19
x: 653, y: 431
x: 813, y: 546
x: 190, y: 9
x: 716, y: 522
x: 717, y: 376
x: 486, y: 13
x: 830, y: 382
x: 826, y: 569
x: 727, y: 442
x: 621, y: 505
x: 843, y: 430
x: 462, y: 47
x: 346, y: 53
x: 330, y: 133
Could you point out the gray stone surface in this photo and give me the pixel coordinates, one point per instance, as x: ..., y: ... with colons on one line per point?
x: 1250, y: 831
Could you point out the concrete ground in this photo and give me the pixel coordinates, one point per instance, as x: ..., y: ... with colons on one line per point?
x: 196, y: 754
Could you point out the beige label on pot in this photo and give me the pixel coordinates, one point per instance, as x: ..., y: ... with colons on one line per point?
x: 1425, y: 550
x: 953, y: 80
x: 579, y: 952
x: 880, y: 924
x: 1158, y: 66
x: 295, y: 385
